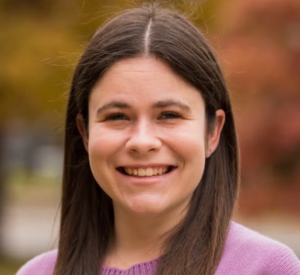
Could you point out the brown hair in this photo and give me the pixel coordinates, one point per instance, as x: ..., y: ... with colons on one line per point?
x: 87, y: 219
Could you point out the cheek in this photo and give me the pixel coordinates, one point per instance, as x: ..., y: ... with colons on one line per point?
x: 189, y: 143
x: 189, y: 146
x: 102, y: 147
x: 103, y: 143
x: 99, y: 151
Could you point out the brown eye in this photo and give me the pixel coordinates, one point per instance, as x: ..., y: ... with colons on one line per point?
x: 170, y: 115
x: 116, y: 116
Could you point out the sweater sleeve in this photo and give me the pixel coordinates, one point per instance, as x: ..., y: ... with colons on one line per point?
x: 283, y: 261
x: 43, y: 264
x: 249, y: 253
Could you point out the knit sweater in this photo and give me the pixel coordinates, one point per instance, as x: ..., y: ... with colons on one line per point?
x: 246, y: 252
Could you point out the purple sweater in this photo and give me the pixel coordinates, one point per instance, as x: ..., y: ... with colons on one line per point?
x: 246, y: 252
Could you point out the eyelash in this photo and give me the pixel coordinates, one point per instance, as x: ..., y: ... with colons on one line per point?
x: 116, y: 116
x: 121, y: 116
x: 173, y: 115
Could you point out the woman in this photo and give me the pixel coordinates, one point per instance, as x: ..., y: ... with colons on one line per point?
x: 151, y: 160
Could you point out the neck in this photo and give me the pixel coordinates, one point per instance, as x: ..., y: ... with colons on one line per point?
x: 139, y: 238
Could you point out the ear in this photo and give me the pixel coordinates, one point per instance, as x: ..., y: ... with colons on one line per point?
x: 214, y: 135
x: 82, y: 130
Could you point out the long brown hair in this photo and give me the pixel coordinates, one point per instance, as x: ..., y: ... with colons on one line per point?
x: 87, y: 220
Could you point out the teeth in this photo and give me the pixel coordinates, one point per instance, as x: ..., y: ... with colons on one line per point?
x: 148, y: 172
x: 129, y: 171
x: 141, y: 172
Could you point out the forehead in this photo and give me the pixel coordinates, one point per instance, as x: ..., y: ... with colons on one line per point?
x: 141, y: 78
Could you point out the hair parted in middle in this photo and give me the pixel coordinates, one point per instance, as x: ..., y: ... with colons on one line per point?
x: 195, y: 246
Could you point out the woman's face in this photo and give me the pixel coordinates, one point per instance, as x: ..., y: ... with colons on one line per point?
x: 146, y: 139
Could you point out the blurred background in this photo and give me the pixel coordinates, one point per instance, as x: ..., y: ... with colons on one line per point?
x: 258, y: 45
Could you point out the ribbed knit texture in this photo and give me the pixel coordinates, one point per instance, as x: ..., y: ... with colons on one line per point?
x: 246, y: 253
x: 145, y: 268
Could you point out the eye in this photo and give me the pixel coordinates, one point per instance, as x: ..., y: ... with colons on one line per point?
x: 170, y: 115
x: 116, y: 116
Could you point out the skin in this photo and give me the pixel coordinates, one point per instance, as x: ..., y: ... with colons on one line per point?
x: 141, y: 114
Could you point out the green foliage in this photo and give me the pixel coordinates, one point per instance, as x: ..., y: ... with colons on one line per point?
x: 8, y: 266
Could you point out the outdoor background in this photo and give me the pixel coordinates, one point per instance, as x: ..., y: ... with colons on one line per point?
x: 258, y: 45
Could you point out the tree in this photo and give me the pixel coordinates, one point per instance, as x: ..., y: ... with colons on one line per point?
x: 261, y: 57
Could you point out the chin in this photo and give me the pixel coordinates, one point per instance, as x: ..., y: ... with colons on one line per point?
x: 146, y: 206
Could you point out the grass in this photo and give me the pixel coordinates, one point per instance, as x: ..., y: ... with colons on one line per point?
x: 23, y: 190
x: 9, y: 266
x: 33, y: 190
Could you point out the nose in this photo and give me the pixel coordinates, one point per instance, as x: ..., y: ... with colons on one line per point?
x: 143, y: 138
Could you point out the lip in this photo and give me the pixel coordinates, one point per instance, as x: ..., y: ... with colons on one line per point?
x: 147, y: 180
x: 153, y: 165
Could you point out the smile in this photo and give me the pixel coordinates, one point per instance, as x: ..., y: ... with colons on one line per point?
x: 145, y: 171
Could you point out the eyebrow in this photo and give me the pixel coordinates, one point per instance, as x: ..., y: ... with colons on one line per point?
x: 113, y: 104
x: 171, y: 102
x: 159, y: 104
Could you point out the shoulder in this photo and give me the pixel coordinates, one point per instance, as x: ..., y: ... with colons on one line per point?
x: 42, y: 264
x: 248, y: 252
